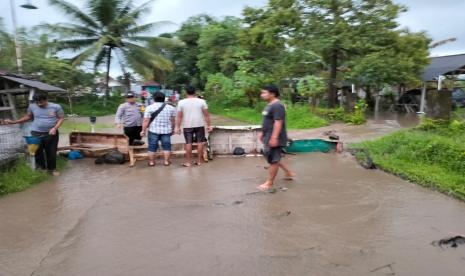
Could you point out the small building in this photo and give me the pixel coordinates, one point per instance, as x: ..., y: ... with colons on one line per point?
x: 440, y: 68
x: 16, y: 91
x: 116, y: 87
x: 151, y: 87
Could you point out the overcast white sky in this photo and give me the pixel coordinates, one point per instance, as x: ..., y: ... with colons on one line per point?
x: 440, y: 19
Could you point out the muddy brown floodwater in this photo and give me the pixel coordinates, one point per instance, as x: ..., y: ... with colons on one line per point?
x: 335, y: 219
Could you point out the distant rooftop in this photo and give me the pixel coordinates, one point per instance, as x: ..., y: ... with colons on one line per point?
x: 29, y: 81
x: 445, y: 65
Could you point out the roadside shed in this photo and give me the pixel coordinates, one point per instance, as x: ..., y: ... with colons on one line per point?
x: 15, y: 92
x: 16, y: 88
x: 440, y: 67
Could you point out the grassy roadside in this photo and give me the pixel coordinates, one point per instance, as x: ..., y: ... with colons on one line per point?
x: 19, y: 176
x: 432, y: 155
x: 92, y: 105
x: 298, y: 117
x: 69, y: 126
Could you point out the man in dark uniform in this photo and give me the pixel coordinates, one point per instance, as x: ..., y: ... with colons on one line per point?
x: 274, y: 135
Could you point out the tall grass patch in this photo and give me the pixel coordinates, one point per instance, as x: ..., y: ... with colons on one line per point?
x: 19, y: 176
x: 298, y: 117
x: 432, y: 155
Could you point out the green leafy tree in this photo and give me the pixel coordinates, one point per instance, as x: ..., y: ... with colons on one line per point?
x: 402, y: 62
x: 222, y: 89
x: 218, y: 46
x: 7, y: 49
x: 185, y: 56
x: 311, y: 86
x: 265, y: 38
x: 105, y: 29
x: 342, y: 29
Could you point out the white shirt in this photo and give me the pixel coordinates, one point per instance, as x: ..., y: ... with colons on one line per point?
x: 192, y: 111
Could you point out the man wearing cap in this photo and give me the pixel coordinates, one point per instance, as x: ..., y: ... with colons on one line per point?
x: 46, y: 118
x: 129, y: 117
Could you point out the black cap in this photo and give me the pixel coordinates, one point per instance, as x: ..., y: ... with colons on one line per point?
x: 130, y: 95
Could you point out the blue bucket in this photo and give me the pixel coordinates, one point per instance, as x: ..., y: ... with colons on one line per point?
x: 32, y: 140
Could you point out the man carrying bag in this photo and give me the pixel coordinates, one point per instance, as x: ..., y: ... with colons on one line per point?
x: 159, y: 120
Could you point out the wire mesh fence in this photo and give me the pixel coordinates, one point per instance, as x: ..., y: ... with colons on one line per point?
x: 12, y: 144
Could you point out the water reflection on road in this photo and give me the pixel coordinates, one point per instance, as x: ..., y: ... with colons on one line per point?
x: 335, y: 219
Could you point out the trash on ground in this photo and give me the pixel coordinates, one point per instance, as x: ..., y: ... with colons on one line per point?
x: 363, y: 158
x: 238, y: 151
x: 284, y: 214
x: 74, y: 155
x: 452, y: 242
x: 112, y: 157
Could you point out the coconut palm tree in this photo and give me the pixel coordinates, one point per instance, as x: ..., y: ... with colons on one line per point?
x: 108, y: 29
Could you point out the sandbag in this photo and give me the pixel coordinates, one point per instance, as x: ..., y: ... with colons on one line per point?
x: 112, y: 157
x: 238, y: 151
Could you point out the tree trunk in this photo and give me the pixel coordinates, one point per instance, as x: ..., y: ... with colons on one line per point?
x: 70, y: 101
x: 332, y: 89
x: 127, y: 81
x: 107, y: 88
x: 377, y: 101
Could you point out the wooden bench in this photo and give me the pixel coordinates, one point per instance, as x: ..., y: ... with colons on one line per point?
x: 97, y: 144
x: 140, y: 153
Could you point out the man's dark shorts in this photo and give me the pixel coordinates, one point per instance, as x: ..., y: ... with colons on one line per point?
x: 273, y: 155
x: 198, y: 132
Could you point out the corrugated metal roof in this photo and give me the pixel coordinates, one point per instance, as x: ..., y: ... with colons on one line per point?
x: 35, y: 84
x: 443, y: 66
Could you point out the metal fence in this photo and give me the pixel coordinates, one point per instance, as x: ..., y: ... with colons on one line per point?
x: 12, y: 144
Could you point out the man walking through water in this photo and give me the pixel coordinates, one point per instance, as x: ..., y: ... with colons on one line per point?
x: 46, y: 118
x: 193, y: 115
x: 274, y: 135
x: 129, y: 115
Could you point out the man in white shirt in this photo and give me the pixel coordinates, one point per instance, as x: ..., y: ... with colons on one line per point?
x: 193, y: 116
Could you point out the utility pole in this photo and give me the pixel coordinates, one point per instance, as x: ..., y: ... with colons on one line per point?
x: 19, y: 60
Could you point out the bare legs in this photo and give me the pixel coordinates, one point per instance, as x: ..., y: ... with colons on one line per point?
x: 288, y: 173
x: 151, y: 158
x: 273, y: 171
x: 188, y: 161
x: 167, y: 157
x: 200, y: 149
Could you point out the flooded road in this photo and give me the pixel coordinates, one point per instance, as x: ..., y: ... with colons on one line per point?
x: 383, y: 124
x: 335, y: 219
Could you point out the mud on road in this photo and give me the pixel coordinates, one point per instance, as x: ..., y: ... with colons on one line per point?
x: 335, y: 219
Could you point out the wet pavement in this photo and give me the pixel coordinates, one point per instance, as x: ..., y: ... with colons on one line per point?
x: 335, y: 219
x: 375, y: 127
x: 109, y: 120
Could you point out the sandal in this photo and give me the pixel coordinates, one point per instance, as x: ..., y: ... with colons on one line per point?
x: 167, y: 163
x: 151, y: 164
x: 186, y: 165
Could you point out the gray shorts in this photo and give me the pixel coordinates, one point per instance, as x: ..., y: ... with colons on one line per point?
x: 273, y: 155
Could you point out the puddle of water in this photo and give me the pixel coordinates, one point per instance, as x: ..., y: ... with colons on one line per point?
x: 335, y: 219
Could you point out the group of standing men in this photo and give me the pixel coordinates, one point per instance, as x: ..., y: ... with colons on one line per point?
x: 159, y: 121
